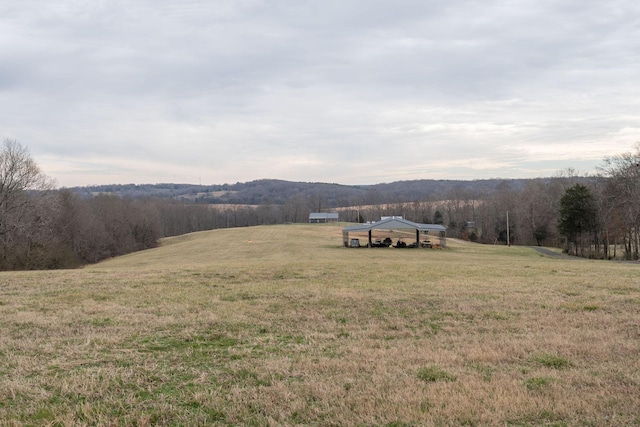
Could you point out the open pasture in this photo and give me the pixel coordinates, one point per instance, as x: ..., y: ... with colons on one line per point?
x: 281, y: 325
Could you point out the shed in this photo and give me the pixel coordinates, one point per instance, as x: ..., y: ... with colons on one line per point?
x: 396, y: 223
x: 322, y: 217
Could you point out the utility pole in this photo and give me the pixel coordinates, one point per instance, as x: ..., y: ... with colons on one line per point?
x: 508, y: 236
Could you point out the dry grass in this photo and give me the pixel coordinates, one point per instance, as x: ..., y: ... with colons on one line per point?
x: 281, y: 325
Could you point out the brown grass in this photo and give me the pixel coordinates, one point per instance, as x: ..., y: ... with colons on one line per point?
x: 281, y: 325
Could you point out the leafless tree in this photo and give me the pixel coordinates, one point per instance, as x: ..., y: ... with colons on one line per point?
x: 621, y: 201
x: 22, y: 186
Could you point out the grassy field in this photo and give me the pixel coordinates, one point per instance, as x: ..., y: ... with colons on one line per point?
x: 281, y: 325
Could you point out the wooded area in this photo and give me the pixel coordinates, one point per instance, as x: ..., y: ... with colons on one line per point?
x: 42, y: 227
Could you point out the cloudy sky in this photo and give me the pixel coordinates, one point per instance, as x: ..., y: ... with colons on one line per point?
x: 346, y: 91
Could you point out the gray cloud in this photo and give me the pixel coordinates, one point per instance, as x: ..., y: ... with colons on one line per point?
x: 343, y: 91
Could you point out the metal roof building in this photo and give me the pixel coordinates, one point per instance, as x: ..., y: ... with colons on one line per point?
x: 321, y: 217
x: 396, y: 223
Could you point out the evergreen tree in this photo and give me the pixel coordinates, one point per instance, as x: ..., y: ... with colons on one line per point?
x: 577, y: 215
x: 438, y: 218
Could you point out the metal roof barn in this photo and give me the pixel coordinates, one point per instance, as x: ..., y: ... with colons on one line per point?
x: 318, y: 217
x: 395, y: 223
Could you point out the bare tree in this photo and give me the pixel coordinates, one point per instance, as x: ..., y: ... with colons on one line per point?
x: 621, y: 205
x: 22, y: 186
x: 536, y: 209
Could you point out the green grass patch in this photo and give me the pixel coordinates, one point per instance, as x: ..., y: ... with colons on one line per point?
x: 485, y: 371
x: 432, y: 374
x: 537, y: 383
x: 551, y: 361
x: 496, y: 315
x: 170, y: 343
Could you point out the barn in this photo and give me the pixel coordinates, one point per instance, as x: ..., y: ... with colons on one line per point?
x: 323, y: 217
x: 407, y: 234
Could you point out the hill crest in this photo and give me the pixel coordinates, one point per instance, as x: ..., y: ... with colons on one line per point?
x: 329, y: 195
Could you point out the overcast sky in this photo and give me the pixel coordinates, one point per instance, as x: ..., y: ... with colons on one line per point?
x: 344, y: 91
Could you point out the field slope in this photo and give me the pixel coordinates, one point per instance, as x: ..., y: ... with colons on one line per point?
x: 281, y: 325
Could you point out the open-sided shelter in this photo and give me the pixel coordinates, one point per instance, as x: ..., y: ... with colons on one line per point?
x: 322, y: 217
x: 396, y: 223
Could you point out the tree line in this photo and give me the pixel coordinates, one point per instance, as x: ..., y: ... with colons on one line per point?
x: 590, y: 216
x: 42, y: 227
x: 279, y: 192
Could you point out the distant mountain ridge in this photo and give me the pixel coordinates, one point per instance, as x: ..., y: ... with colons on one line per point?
x: 279, y: 192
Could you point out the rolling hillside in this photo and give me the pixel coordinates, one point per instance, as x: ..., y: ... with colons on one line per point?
x: 281, y: 325
x: 278, y: 192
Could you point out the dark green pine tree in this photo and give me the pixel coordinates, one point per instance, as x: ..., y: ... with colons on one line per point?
x: 577, y: 214
x: 438, y: 218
